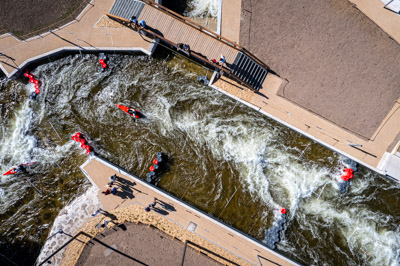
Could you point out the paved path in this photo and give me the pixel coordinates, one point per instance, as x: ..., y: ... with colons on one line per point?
x: 81, y: 34
x: 136, y: 191
x: 381, y: 153
x: 179, y: 32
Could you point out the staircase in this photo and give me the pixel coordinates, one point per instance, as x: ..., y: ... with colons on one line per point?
x: 127, y: 8
x: 248, y: 70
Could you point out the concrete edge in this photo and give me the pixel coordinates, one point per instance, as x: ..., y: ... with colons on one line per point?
x: 219, y: 18
x: 186, y: 205
x: 258, y: 109
x: 375, y: 21
x: 66, y: 48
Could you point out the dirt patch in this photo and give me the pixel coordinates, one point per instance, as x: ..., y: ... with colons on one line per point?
x: 136, y: 214
x: 140, y: 244
x: 27, y: 18
x: 339, y: 64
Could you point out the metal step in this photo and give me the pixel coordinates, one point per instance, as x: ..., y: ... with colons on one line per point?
x: 127, y: 8
x: 249, y: 71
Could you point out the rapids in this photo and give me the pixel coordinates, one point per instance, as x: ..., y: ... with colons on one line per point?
x: 202, y: 8
x: 217, y: 145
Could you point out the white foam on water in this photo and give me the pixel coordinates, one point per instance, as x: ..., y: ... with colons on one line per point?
x: 363, y: 230
x: 272, y: 172
x: 293, y: 181
x: 267, y: 168
x: 16, y: 146
x: 69, y: 220
x: 203, y: 8
x: 2, y: 194
x: 259, y: 161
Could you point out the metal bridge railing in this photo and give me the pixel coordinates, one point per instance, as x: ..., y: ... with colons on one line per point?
x: 206, y: 31
x: 199, y: 57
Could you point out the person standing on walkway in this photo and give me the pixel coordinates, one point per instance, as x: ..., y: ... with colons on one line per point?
x: 142, y: 24
x: 222, y: 60
x: 154, y: 203
x: 134, y: 22
x: 186, y: 49
x: 114, y: 190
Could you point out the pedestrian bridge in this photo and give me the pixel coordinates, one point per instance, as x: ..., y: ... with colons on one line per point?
x: 205, y: 45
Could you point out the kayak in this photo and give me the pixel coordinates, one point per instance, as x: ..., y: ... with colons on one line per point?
x: 15, y: 169
x: 130, y: 111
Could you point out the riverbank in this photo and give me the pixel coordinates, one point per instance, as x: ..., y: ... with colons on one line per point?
x: 80, y: 35
x: 337, y: 91
x: 239, y: 148
x: 169, y: 215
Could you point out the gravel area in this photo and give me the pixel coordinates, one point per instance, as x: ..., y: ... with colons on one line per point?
x: 139, y: 245
x: 339, y: 64
x: 23, y: 17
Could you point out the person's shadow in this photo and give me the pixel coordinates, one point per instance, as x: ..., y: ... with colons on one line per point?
x: 165, y: 205
x: 126, y: 188
x: 160, y: 211
x: 107, y: 214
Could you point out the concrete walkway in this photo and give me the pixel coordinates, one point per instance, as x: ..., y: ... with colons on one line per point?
x: 375, y: 154
x: 388, y: 21
x: 81, y: 34
x: 381, y: 152
x: 136, y: 191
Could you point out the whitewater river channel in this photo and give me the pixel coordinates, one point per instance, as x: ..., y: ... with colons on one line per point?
x: 216, y: 144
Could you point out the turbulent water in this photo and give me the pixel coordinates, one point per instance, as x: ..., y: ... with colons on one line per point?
x: 216, y: 144
x: 202, y: 8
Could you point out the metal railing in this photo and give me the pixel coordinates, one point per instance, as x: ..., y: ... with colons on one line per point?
x: 199, y: 57
x: 46, y: 260
x: 206, y: 31
x: 193, y: 24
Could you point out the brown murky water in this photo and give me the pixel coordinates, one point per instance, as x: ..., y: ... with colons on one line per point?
x: 216, y: 146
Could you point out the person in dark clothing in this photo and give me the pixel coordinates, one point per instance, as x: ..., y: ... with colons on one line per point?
x: 186, y: 47
x: 134, y: 22
x: 179, y: 46
x: 20, y: 168
x: 154, y: 203
x: 142, y: 24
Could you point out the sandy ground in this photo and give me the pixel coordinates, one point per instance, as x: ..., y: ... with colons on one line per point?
x: 23, y: 17
x: 123, y: 240
x: 139, y: 243
x: 339, y: 64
